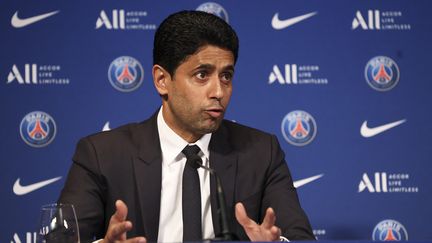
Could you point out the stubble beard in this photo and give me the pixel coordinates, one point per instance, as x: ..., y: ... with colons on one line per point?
x: 205, y: 125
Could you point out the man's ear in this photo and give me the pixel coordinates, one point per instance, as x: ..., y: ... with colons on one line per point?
x: 161, y: 77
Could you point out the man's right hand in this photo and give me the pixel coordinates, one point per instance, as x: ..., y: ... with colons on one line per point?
x: 118, y: 226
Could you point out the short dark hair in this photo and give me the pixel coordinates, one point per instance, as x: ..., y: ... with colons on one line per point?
x: 183, y: 33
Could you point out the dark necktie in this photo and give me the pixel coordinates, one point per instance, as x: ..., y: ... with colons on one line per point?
x: 191, y: 198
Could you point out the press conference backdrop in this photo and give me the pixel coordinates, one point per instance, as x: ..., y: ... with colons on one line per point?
x: 345, y: 86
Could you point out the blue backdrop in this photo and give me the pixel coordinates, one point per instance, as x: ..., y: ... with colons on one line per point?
x: 345, y: 85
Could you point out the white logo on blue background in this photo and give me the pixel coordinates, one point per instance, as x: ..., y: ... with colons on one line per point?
x: 214, y: 8
x: 382, y: 73
x: 298, y: 128
x: 38, y: 129
x: 125, y: 74
x: 389, y: 230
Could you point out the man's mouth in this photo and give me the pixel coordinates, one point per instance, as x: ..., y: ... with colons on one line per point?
x: 215, y: 112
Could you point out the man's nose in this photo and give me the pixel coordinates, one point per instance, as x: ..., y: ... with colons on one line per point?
x: 216, y: 90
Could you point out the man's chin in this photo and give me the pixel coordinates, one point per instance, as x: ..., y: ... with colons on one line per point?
x: 212, y: 127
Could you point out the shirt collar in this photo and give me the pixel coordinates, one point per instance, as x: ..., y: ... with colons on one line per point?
x: 172, y: 144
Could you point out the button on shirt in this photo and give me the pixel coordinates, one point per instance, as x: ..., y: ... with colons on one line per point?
x: 173, y: 162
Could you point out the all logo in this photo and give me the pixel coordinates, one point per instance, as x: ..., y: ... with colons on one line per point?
x: 373, y: 20
x: 125, y: 74
x: 30, y: 74
x: 30, y: 237
x: 382, y: 73
x: 106, y: 127
x: 299, y: 128
x: 33, y: 74
x: 386, y: 183
x: 214, y: 8
x: 378, y: 20
x: 119, y: 19
x: 296, y: 74
x: 38, y: 129
x: 380, y: 184
x: 389, y: 230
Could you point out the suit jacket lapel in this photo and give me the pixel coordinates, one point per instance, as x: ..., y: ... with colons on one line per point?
x: 148, y: 174
x: 224, y: 161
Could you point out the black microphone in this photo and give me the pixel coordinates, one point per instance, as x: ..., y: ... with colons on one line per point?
x: 226, y: 234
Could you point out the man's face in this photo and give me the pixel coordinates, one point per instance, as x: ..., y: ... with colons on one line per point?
x: 198, y: 94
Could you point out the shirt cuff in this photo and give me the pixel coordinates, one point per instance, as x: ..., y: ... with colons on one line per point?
x: 282, y: 238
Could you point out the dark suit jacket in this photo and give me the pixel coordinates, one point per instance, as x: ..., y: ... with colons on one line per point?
x: 125, y: 163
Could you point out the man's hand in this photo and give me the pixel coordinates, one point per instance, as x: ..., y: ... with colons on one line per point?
x: 118, y: 226
x: 267, y: 231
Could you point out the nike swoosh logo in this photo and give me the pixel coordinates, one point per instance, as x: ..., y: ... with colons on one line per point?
x: 367, y: 132
x: 106, y: 127
x: 20, y: 190
x: 282, y: 24
x: 19, y: 23
x: 305, y: 181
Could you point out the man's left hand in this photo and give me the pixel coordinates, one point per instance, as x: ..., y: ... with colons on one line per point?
x: 267, y: 231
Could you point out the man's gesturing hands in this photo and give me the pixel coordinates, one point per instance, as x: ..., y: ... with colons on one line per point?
x: 118, y: 226
x: 267, y: 231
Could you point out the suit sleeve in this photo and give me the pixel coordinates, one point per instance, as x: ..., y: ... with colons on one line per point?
x: 85, y: 189
x: 280, y: 194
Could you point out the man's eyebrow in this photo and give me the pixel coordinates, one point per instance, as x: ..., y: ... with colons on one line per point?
x: 212, y: 67
x: 205, y: 66
x: 229, y: 68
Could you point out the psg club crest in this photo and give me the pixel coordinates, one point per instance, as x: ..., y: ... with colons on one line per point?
x: 215, y: 9
x: 389, y: 230
x: 125, y: 74
x: 38, y: 129
x: 382, y: 73
x: 298, y: 128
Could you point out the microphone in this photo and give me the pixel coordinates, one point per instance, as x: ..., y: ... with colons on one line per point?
x: 226, y: 234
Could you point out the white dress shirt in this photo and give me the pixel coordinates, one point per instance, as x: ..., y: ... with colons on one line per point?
x: 173, y: 162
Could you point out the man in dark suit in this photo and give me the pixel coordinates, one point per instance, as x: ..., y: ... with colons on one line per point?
x: 141, y: 165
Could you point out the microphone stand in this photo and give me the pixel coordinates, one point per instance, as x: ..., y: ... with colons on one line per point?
x: 226, y: 234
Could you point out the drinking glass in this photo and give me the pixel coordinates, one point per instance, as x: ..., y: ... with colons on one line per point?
x: 58, y: 223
